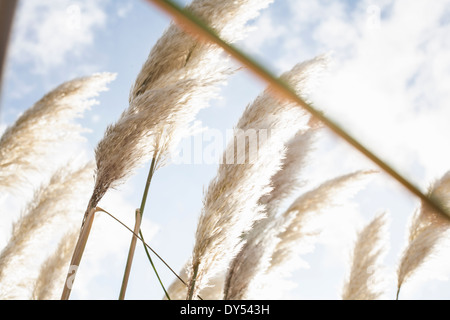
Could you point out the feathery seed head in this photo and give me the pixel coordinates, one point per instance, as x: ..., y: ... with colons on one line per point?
x: 365, y: 279
x: 231, y: 204
x: 428, y: 231
x: 57, y: 201
x: 177, y: 80
x: 41, y: 129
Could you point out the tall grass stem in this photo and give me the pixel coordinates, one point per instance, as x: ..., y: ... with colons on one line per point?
x: 126, y: 276
x: 133, y: 240
x: 78, y: 252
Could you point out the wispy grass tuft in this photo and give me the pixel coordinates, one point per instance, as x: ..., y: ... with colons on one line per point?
x: 29, y: 144
x: 255, y: 255
x: 179, y: 78
x: 231, y: 203
x: 366, y: 279
x: 294, y: 232
x: 428, y: 232
x: 55, y: 207
x: 52, y: 272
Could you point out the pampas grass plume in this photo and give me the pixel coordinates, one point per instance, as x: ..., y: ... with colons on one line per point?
x: 231, y: 204
x: 38, y: 131
x: 57, y: 202
x: 365, y: 276
x: 427, y: 233
x: 178, y: 79
x: 332, y: 193
x: 254, y: 257
x: 52, y: 272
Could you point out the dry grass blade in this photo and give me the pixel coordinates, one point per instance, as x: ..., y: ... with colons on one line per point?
x: 365, y: 278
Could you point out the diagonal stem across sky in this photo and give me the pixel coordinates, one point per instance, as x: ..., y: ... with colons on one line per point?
x: 194, y: 25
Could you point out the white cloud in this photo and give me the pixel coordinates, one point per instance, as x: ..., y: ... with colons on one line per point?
x: 263, y: 32
x: 47, y: 32
x: 124, y: 9
x: 387, y: 93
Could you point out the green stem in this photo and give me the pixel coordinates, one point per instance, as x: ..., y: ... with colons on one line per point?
x: 145, y: 245
x: 147, y: 184
x: 126, y: 275
x: 143, y: 202
x: 153, y: 266
x: 141, y: 211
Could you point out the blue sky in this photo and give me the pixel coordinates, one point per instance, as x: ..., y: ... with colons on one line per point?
x: 388, y: 84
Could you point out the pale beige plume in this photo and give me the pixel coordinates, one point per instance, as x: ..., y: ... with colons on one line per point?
x: 254, y: 257
x: 178, y: 79
x: 428, y: 232
x: 294, y: 232
x: 55, y: 208
x: 34, y: 138
x: 52, y: 272
x: 366, y: 279
x: 178, y: 290
x: 231, y: 203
